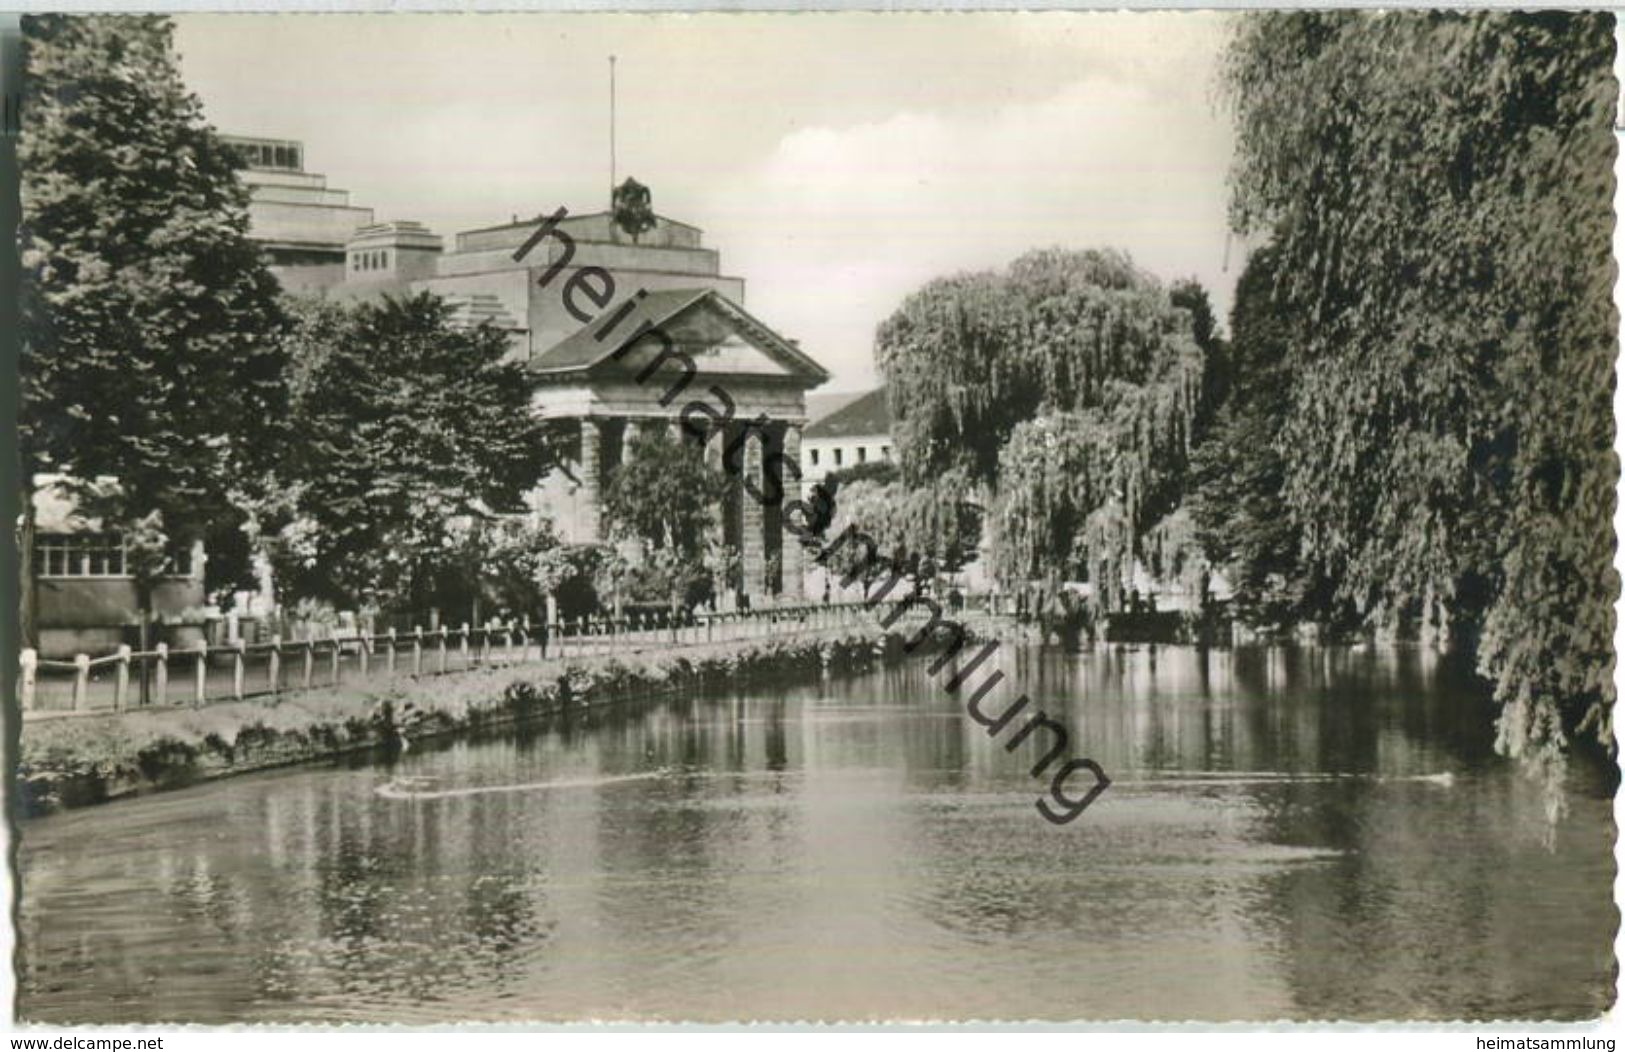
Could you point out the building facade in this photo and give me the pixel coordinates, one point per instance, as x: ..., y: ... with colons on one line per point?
x: 85, y: 597
x: 617, y: 333
x: 855, y: 431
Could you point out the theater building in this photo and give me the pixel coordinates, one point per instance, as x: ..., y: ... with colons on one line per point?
x: 667, y: 286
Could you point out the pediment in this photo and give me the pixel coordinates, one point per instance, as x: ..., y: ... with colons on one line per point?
x: 719, y: 335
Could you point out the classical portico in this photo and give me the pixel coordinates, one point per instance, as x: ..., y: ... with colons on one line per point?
x: 723, y: 383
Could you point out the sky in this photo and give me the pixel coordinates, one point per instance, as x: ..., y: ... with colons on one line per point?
x: 837, y: 161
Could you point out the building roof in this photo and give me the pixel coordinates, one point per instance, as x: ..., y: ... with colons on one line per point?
x: 865, y: 417
x: 823, y: 404
x: 574, y: 217
x: 583, y: 350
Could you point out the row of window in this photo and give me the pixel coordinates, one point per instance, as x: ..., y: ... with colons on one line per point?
x: 839, y: 460
x: 94, y: 555
x: 265, y: 155
x: 370, y: 260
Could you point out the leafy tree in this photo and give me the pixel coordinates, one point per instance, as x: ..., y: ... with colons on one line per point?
x: 1439, y: 188
x: 500, y: 565
x: 149, y: 321
x: 571, y: 574
x: 1064, y: 393
x: 663, y: 496
x: 918, y: 532
x: 1238, y: 470
x: 970, y: 357
x: 880, y: 471
x: 1188, y: 295
x: 404, y: 430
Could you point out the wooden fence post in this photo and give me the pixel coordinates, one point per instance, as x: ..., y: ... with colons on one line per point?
x: 464, y: 646
x: 417, y: 650
x: 199, y: 686
x: 310, y: 660
x: 239, y: 661
x: 160, y: 677
x: 389, y: 662
x: 29, y: 677
x: 333, y: 664
x: 121, y: 685
x: 364, y: 655
x: 444, y: 647
x: 81, y: 682
x: 273, y: 665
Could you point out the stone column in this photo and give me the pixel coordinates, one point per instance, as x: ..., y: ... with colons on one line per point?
x: 715, y: 440
x: 588, y: 507
x: 631, y: 548
x: 794, y: 557
x: 751, y: 542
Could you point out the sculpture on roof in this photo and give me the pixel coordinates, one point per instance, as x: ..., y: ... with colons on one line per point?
x: 633, y: 209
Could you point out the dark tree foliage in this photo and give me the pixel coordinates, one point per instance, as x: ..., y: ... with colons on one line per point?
x: 1238, y: 471
x: 1439, y: 189
x: 663, y: 495
x: 150, y: 324
x: 968, y: 358
x: 919, y: 532
x: 881, y: 471
x: 406, y: 432
x: 1062, y: 394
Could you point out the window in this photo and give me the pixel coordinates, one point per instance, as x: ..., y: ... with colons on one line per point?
x: 95, y: 555
x: 885, y: 452
x: 837, y: 457
x: 812, y: 457
x: 279, y: 156
x: 863, y: 454
x: 79, y: 555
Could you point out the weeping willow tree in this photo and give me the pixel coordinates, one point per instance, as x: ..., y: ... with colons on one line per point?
x: 1437, y: 189
x: 1064, y: 391
x: 918, y: 532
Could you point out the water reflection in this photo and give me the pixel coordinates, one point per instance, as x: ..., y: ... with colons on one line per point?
x: 1304, y: 833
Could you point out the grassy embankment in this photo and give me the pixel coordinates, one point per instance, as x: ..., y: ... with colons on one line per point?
x: 67, y: 763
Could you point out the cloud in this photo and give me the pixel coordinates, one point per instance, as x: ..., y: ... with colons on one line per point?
x: 837, y: 225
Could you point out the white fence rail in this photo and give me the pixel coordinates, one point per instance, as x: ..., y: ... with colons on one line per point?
x: 129, y: 679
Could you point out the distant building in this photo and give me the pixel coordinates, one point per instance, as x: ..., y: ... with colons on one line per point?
x: 856, y: 431
x: 85, y: 598
x: 581, y: 373
x: 303, y: 225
